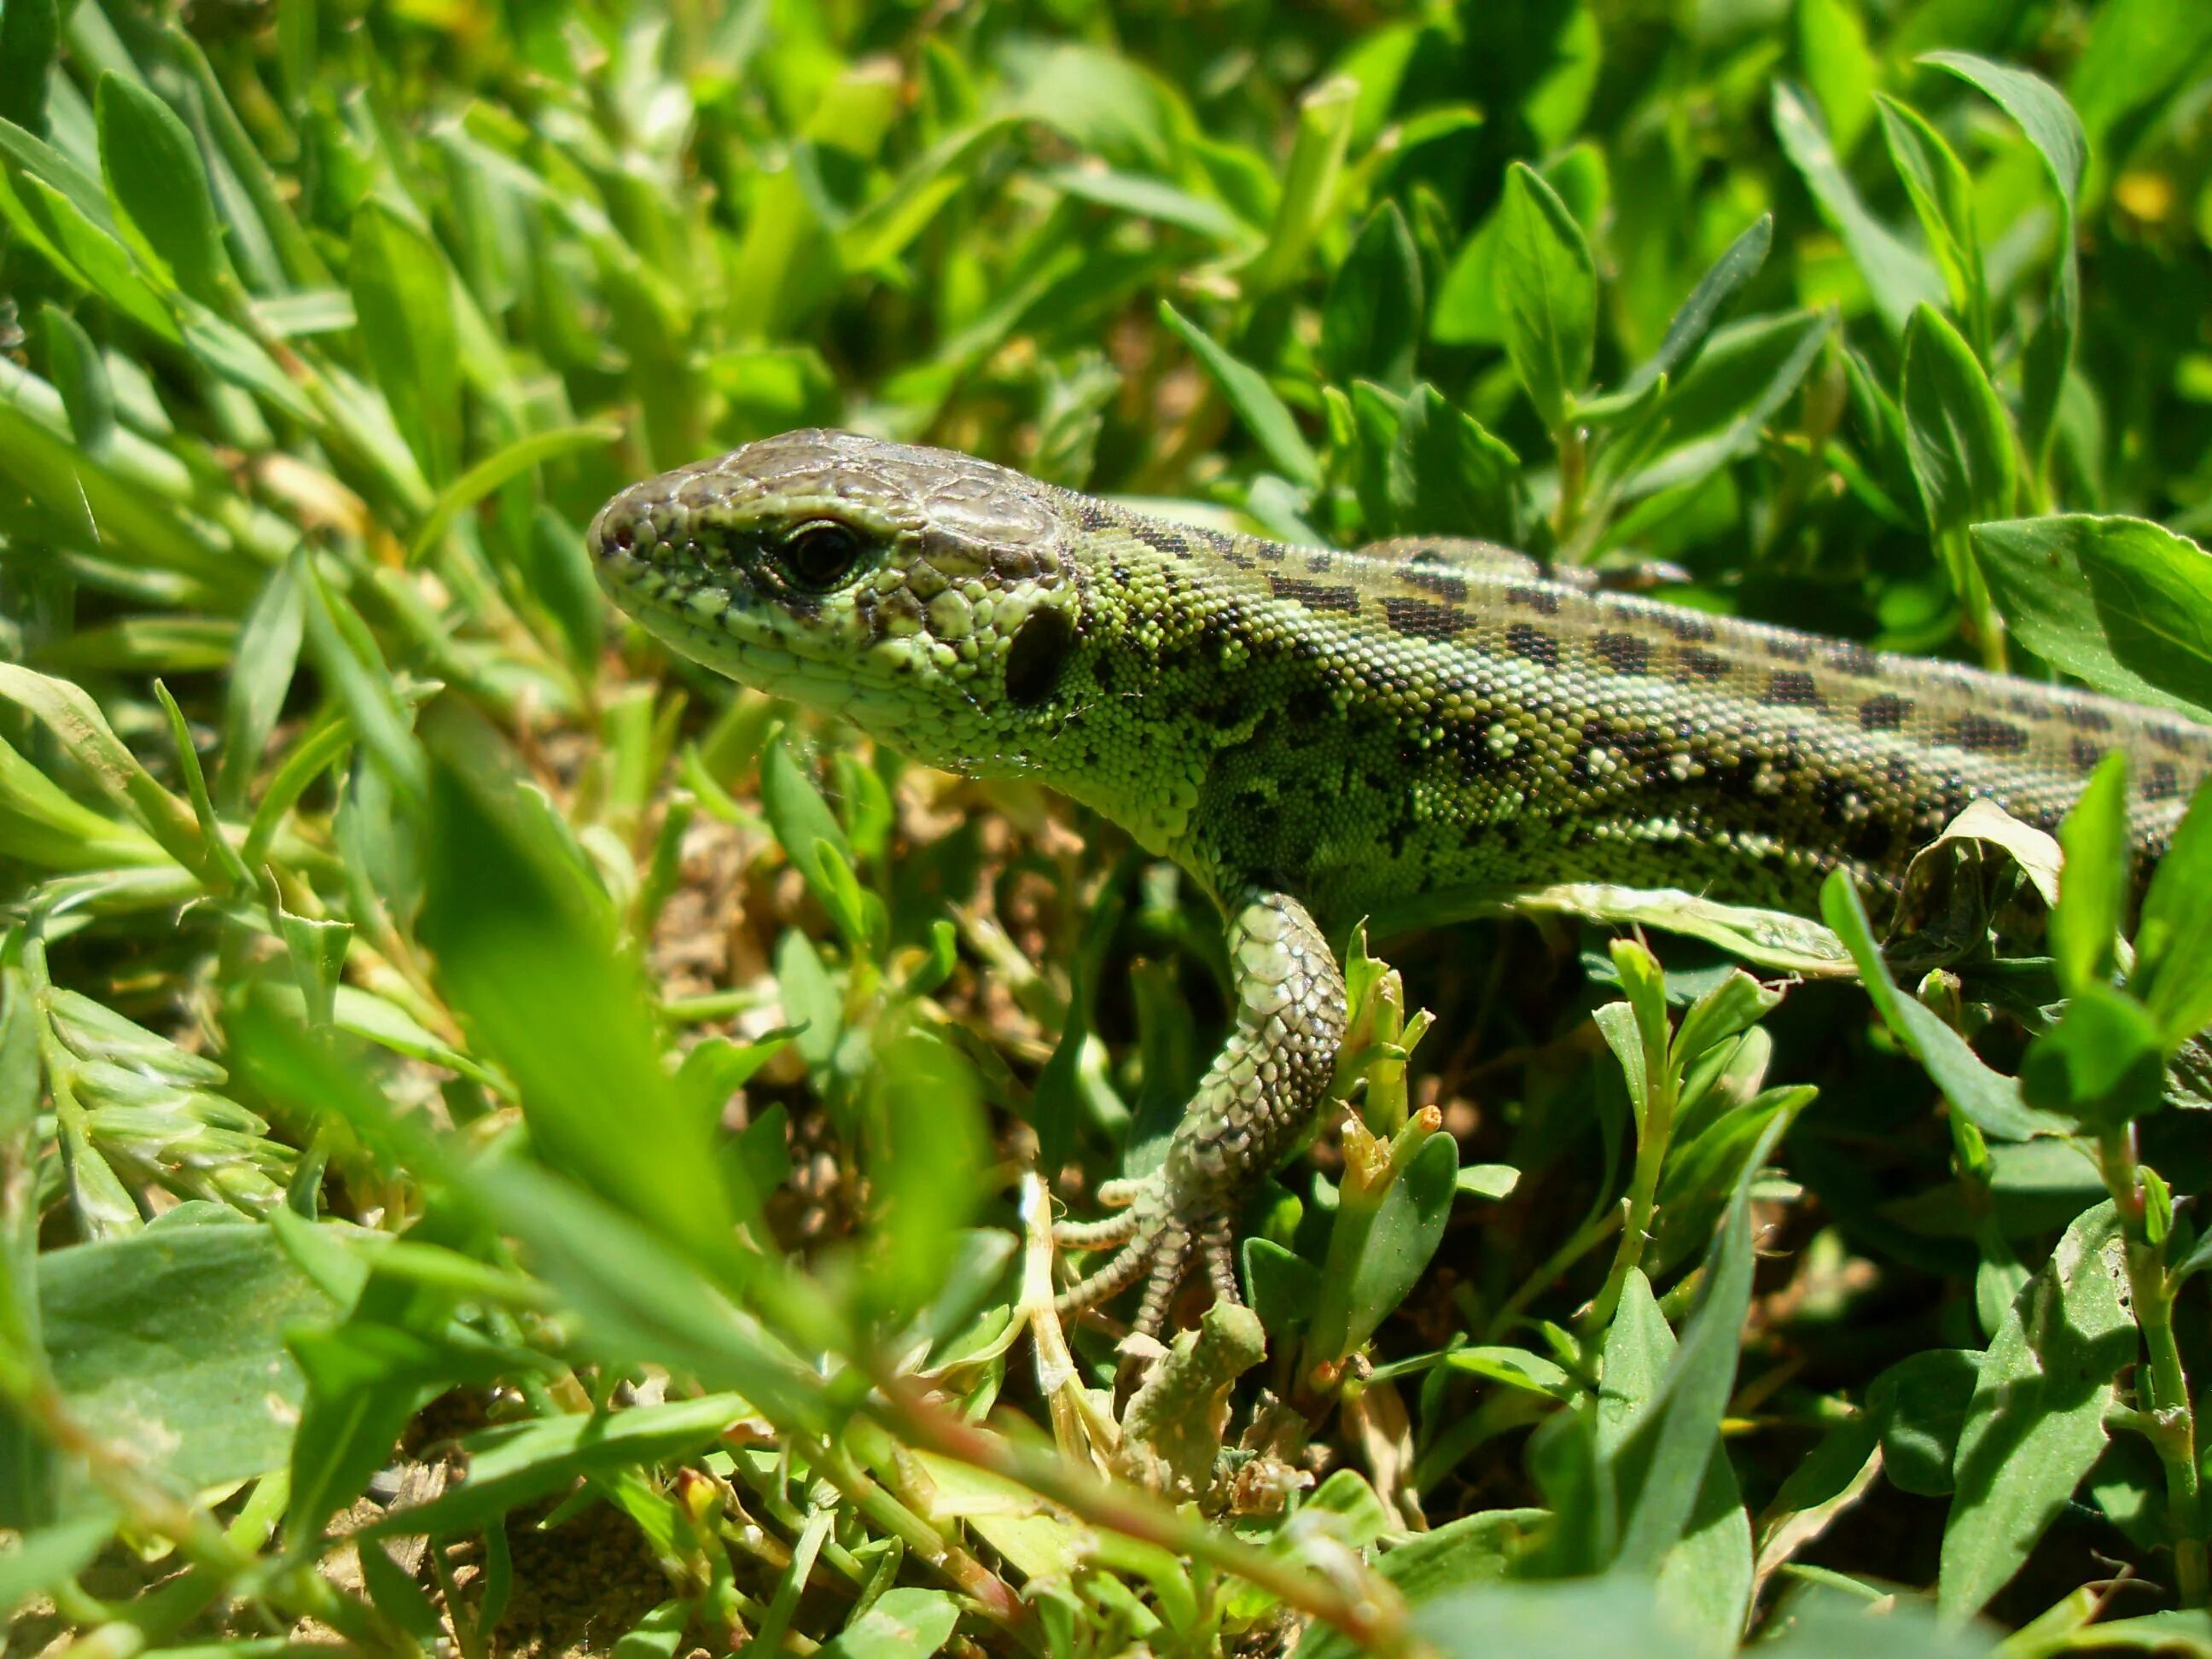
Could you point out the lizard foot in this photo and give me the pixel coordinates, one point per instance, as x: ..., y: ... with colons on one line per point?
x: 1259, y: 1095
x: 1157, y: 1249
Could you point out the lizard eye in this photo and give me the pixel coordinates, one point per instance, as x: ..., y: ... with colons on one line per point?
x: 817, y: 557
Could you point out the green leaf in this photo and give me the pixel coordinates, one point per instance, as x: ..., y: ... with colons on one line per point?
x: 75, y: 365
x: 902, y: 1623
x: 1615, y: 1617
x: 75, y: 718
x: 2123, y: 604
x: 2094, y: 880
x: 1719, y: 409
x: 1991, y: 1101
x: 1547, y: 292
x: 1897, y: 277
x: 1668, y: 1489
x: 494, y: 469
x: 1376, y: 1255
x: 1942, y: 195
x: 403, y: 295
x: 1309, y: 183
x: 30, y: 35
x: 1955, y: 430
x: 1708, y: 305
x: 926, y: 1154
x: 1448, y: 475
x: 1921, y: 1403
x: 1705, y: 1576
x: 2055, y: 131
x: 159, y: 188
x: 170, y: 1344
x: 2037, y: 1421
x: 802, y: 822
x: 2103, y: 1064
x: 1370, y: 323
x: 2173, y: 970
x: 268, y: 655
x: 1832, y: 44
x: 1266, y: 416
x: 515, y: 1463
x: 40, y: 1559
x: 526, y: 955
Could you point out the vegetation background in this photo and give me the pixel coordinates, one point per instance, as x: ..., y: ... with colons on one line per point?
x: 507, y: 1141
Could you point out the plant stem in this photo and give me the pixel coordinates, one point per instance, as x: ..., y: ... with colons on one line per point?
x: 1658, y: 1128
x: 2164, y: 1385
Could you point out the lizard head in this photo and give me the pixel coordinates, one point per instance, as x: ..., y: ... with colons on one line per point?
x: 928, y: 597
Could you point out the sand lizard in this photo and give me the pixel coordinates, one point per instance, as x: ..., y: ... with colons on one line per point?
x: 1318, y: 737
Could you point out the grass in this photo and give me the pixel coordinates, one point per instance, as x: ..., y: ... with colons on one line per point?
x: 468, y: 1082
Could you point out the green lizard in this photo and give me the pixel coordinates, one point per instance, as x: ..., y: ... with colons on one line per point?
x: 1318, y: 736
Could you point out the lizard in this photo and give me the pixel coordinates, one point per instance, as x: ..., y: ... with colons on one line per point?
x: 1317, y: 736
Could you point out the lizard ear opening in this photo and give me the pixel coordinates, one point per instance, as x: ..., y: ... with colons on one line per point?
x: 1036, y: 655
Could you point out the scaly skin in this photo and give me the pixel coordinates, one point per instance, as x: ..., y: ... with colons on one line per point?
x: 1319, y: 736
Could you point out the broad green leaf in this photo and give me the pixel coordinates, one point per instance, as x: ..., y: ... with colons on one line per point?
x: 159, y: 187
x: 170, y: 1343
x: 1989, y: 1100
x: 1897, y: 277
x: 2037, y: 1421
x: 2093, y: 884
x: 1615, y: 1617
x: 1448, y: 475
x: 1376, y: 1255
x: 1265, y: 415
x: 902, y: 1623
x: 2173, y: 970
x: 2123, y: 604
x: 403, y: 295
x: 1955, y: 430
x: 1547, y: 293
x: 1371, y: 324
x: 2055, y: 131
x: 1921, y: 1404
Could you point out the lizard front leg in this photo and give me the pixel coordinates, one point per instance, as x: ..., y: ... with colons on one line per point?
x: 1260, y: 1092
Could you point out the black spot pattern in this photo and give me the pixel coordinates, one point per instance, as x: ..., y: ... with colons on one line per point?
x: 1885, y: 713
x: 1523, y: 640
x: 1315, y: 596
x: 1420, y: 619
x: 1539, y: 599
x: 1790, y: 688
x: 1624, y: 653
x: 1979, y: 734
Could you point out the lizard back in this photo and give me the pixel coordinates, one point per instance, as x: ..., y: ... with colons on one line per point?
x: 1360, y: 732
